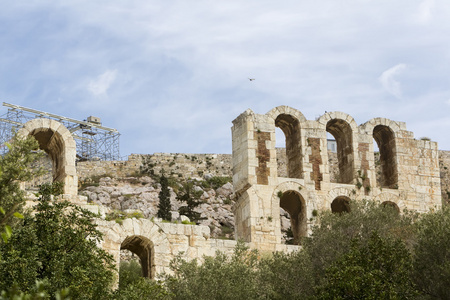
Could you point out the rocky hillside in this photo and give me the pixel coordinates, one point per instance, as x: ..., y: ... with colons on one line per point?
x: 139, y: 196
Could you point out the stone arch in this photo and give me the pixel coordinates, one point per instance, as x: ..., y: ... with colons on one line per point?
x: 57, y: 141
x: 385, y: 140
x: 143, y: 248
x: 340, y: 204
x: 339, y: 192
x: 343, y: 128
x: 390, y: 198
x: 289, y: 197
x: 384, y: 132
x: 369, y: 126
x: 144, y: 237
x: 391, y: 204
x: 286, y: 110
x: 289, y: 120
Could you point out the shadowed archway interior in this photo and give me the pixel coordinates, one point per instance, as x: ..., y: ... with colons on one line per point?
x: 340, y: 205
x: 143, y: 248
x: 294, y: 204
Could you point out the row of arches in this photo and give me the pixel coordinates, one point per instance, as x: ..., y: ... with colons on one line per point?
x: 343, y: 129
x: 293, y: 202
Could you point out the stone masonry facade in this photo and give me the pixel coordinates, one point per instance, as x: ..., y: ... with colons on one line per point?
x: 408, y: 174
x: 301, y: 179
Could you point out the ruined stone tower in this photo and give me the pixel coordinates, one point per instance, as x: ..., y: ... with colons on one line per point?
x: 409, y: 176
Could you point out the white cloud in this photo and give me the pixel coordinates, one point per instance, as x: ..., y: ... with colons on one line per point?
x: 177, y: 66
x: 102, y: 83
x: 388, y: 81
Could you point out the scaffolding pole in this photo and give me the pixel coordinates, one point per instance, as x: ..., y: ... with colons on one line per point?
x: 94, y: 141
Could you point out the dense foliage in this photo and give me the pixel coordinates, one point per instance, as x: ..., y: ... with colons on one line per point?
x: 57, y: 244
x: 15, y: 166
x: 371, y: 253
x: 132, y: 286
x: 219, y: 277
x: 432, y: 255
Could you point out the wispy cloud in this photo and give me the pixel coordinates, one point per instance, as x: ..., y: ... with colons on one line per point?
x: 389, y: 81
x: 102, y: 83
x: 176, y: 72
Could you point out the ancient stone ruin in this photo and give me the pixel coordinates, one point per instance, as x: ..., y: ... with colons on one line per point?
x: 57, y: 141
x: 408, y: 178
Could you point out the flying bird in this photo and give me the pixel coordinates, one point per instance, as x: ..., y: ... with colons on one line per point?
x: 251, y: 79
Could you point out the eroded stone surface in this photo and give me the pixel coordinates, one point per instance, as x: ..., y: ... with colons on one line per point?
x: 405, y: 175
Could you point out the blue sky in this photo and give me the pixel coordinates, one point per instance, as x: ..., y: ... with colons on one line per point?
x: 172, y: 75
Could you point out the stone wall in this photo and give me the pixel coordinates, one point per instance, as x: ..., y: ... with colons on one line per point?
x: 405, y: 174
x: 175, y: 164
x: 157, y: 243
x: 444, y: 167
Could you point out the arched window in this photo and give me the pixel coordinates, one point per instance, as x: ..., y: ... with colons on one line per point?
x: 342, y: 133
x: 387, y: 176
x: 291, y: 129
x: 293, y: 203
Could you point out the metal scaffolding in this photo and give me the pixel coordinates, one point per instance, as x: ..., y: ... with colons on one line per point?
x: 94, y: 142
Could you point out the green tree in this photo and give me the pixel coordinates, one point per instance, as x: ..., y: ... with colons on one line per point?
x: 333, y: 238
x: 378, y: 269
x: 57, y: 244
x: 286, y: 276
x: 188, y: 196
x: 164, y: 207
x: 432, y: 254
x: 219, y: 277
x: 15, y: 167
x: 133, y: 286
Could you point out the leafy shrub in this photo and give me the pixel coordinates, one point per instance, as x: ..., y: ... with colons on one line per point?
x: 378, y: 269
x: 219, y: 277
x: 186, y: 222
x: 57, y: 244
x: 432, y: 253
x: 216, y: 182
x: 119, y: 216
x: 133, y: 286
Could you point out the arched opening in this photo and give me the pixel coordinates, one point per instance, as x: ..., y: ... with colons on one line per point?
x: 280, y: 147
x: 342, y: 133
x: 57, y: 141
x: 143, y: 248
x: 291, y: 129
x: 294, y: 204
x: 51, y: 142
x: 332, y: 158
x: 392, y: 206
x: 340, y: 205
x: 44, y: 163
x: 387, y: 175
